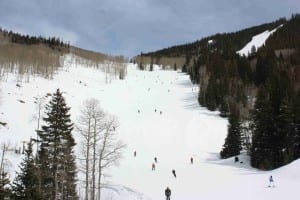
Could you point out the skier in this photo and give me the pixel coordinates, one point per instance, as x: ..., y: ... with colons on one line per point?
x: 271, y: 182
x: 160, y: 112
x: 138, y: 111
x: 155, y: 109
x: 153, y: 167
x: 134, y: 153
x: 236, y: 159
x: 155, y: 159
x: 192, y: 160
x: 168, y: 193
x: 174, y: 173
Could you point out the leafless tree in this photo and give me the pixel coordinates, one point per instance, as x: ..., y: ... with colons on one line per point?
x: 100, y: 146
x: 89, y: 127
x: 110, y: 150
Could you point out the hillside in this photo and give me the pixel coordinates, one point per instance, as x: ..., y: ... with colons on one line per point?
x: 31, y: 55
x: 182, y: 130
x: 228, y: 42
x: 252, y: 74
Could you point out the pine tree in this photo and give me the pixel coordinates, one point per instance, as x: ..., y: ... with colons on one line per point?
x: 4, y: 182
x: 232, y: 146
x: 56, y: 156
x: 262, y: 153
x: 296, y: 127
x: 26, y: 183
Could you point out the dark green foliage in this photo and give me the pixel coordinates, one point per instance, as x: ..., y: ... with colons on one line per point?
x: 52, y: 42
x: 26, y: 184
x: 232, y: 146
x: 56, y: 156
x: 4, y: 182
x: 263, y: 135
x: 295, y: 132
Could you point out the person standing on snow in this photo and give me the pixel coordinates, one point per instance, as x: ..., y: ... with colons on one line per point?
x: 192, y: 160
x: 168, y: 193
x: 153, y: 167
x: 155, y: 159
x: 271, y: 182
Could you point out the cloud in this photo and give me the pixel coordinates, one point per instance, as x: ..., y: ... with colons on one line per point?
x: 130, y: 26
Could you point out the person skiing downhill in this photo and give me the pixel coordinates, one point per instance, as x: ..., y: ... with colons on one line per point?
x: 168, y: 193
x: 192, y: 160
x: 155, y: 159
x: 174, y: 173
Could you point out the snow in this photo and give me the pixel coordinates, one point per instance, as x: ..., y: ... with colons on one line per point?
x: 257, y: 41
x: 184, y: 129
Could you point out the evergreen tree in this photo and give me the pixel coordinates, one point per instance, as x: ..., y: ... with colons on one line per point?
x: 232, y: 146
x: 4, y: 182
x: 296, y: 127
x: 56, y: 156
x: 26, y: 183
x: 262, y: 153
x: 284, y: 134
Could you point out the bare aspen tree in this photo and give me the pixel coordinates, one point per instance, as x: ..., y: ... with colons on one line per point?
x: 110, y: 149
x: 40, y: 104
x: 90, y: 128
x: 4, y: 149
x: 100, y: 146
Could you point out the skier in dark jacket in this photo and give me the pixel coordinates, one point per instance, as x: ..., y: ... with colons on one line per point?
x: 168, y: 193
x: 271, y: 182
x: 174, y: 173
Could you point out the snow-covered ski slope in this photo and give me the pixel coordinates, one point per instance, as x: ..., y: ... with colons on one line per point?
x: 257, y: 41
x: 184, y: 129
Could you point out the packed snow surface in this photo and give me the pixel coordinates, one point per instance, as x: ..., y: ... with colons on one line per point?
x: 178, y: 130
x: 257, y: 41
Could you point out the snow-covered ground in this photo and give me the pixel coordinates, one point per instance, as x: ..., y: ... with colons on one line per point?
x: 257, y: 41
x: 182, y: 130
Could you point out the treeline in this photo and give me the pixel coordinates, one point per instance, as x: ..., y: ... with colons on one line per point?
x: 258, y: 93
x: 228, y: 42
x: 52, y: 42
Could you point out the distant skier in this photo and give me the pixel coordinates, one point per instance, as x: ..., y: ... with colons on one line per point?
x: 155, y: 110
x: 192, y: 160
x: 174, y: 173
x: 168, y: 193
x: 134, y: 153
x: 153, y: 167
x: 236, y: 159
x: 155, y: 159
x: 271, y: 182
x: 160, y: 112
x: 139, y: 111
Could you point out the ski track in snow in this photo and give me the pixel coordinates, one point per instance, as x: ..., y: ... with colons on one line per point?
x: 184, y: 129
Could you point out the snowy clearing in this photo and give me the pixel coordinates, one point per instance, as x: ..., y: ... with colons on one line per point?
x: 257, y: 41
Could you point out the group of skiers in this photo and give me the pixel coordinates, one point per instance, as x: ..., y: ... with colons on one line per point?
x: 160, y: 112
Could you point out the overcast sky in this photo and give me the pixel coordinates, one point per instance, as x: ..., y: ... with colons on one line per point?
x: 128, y: 27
